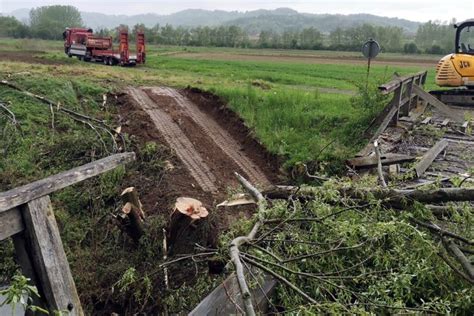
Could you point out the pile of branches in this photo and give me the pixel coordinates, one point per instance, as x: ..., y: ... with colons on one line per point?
x: 339, y: 250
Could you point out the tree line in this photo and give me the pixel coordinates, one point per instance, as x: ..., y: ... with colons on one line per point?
x: 432, y: 37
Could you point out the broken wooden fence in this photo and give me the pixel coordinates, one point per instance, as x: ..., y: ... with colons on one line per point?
x: 404, y: 99
x: 26, y: 215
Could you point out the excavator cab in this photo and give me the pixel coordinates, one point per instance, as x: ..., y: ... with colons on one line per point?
x: 457, y: 69
x: 465, y: 38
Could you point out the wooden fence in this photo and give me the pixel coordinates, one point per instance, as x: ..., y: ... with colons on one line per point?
x: 26, y: 216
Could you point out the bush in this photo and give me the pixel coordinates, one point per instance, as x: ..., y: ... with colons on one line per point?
x: 410, y: 48
x: 435, y: 50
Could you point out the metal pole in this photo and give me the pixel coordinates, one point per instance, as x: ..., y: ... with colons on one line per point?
x: 368, y: 74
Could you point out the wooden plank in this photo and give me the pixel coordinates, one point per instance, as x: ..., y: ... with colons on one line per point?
x: 465, y: 126
x: 445, y: 122
x: 440, y: 106
x: 48, y: 257
x: 34, y: 190
x: 371, y: 161
x: 11, y: 223
x: 395, y: 84
x: 226, y: 299
x: 390, y: 111
x: 426, y: 120
x: 429, y: 157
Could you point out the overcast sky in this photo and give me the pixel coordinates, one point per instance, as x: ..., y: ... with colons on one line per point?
x: 416, y: 10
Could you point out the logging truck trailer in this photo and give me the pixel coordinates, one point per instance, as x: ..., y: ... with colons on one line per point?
x: 83, y: 44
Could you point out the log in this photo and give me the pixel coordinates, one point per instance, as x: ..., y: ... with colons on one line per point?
x: 37, y: 189
x: 395, y: 197
x: 49, y: 260
x: 429, y: 157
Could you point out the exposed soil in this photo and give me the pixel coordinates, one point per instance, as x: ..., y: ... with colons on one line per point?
x: 204, y: 142
x: 32, y: 57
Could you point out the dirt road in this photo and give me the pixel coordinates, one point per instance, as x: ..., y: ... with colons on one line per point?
x: 208, y: 151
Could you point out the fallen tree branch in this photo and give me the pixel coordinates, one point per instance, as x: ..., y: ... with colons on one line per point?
x: 441, y: 231
x: 239, y: 241
x: 309, y: 255
x: 459, y: 272
x: 461, y: 258
x: 79, y: 117
x: 12, y: 115
x: 379, y: 164
x: 313, y: 219
x: 280, y: 278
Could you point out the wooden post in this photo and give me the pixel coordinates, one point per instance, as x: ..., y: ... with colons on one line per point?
x: 406, y: 107
x: 397, y: 98
x: 48, y: 258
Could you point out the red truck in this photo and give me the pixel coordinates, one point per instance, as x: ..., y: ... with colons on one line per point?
x: 82, y: 43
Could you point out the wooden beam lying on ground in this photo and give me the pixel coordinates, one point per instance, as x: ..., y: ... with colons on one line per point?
x: 371, y: 161
x: 34, y: 190
x: 226, y: 299
x: 384, y: 118
x: 443, y: 108
x: 429, y: 157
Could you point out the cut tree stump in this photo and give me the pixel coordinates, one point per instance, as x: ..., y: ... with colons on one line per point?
x: 188, y: 212
x: 132, y: 217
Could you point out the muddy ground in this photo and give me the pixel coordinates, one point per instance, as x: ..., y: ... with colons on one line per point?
x: 31, y: 57
x: 201, y: 163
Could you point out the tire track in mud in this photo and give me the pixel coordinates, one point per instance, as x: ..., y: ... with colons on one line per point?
x: 177, y: 140
x: 217, y: 134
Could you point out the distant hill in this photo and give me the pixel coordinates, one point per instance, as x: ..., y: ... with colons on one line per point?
x: 252, y: 21
x: 291, y: 20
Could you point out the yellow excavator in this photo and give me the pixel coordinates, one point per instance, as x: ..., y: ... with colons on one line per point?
x: 457, y: 69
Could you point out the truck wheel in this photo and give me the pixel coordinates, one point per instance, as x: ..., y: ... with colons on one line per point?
x: 106, y: 62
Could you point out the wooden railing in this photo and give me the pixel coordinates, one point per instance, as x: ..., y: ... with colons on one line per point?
x: 404, y: 99
x: 26, y: 216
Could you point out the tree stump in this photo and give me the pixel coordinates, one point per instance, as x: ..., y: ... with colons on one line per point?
x: 132, y: 218
x: 184, y: 220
